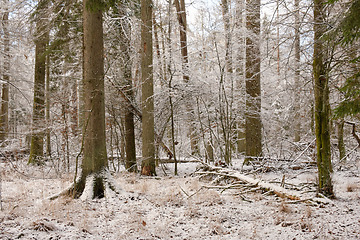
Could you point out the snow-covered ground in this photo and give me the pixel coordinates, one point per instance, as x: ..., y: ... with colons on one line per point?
x: 169, y: 207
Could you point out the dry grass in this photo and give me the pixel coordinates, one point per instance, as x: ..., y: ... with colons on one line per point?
x: 208, y: 198
x: 284, y: 208
x: 172, y: 198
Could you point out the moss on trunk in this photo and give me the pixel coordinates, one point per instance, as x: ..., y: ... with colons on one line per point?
x: 322, y: 105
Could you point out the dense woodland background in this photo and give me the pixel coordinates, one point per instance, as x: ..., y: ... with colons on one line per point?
x: 105, y: 84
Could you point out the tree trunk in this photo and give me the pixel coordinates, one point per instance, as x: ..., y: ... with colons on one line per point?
x: 181, y: 16
x: 340, y: 135
x: 127, y: 86
x: 226, y: 19
x: 240, y: 70
x: 253, y: 123
x: 41, y: 42
x: 297, y: 85
x: 47, y: 106
x: 227, y: 118
x: 322, y: 106
x: 94, y: 161
x: 4, y: 112
x: 74, y: 108
x: 147, y: 90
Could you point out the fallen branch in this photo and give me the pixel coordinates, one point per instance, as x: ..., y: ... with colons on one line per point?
x: 259, y: 184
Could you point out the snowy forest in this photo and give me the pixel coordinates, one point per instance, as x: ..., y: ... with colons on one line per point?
x: 180, y: 119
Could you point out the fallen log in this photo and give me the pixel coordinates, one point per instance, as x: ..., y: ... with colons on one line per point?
x: 266, y: 186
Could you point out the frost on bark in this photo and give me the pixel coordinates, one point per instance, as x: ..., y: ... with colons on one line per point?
x: 322, y: 106
x: 253, y: 123
x: 147, y: 91
x: 38, y: 118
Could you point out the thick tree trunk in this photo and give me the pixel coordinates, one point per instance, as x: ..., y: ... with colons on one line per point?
x: 4, y: 111
x: 41, y: 42
x: 147, y: 90
x: 322, y: 106
x: 253, y: 125
x: 94, y: 162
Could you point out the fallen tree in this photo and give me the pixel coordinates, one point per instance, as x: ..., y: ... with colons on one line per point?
x: 250, y: 182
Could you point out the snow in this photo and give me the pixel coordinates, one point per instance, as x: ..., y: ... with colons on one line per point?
x: 172, y: 207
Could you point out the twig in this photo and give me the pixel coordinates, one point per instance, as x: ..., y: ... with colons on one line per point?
x: 183, y: 191
x: 155, y: 204
x: 196, y: 192
x: 297, y: 158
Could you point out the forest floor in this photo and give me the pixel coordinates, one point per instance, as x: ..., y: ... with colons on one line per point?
x: 175, y: 207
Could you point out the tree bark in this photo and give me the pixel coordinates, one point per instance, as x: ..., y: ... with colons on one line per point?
x: 253, y: 125
x: 240, y: 75
x: 94, y: 162
x: 47, y: 106
x: 41, y: 42
x: 147, y: 90
x: 322, y: 106
x: 297, y: 85
x: 4, y: 111
x: 340, y: 136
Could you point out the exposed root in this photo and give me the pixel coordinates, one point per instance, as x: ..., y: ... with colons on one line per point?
x: 101, y: 185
